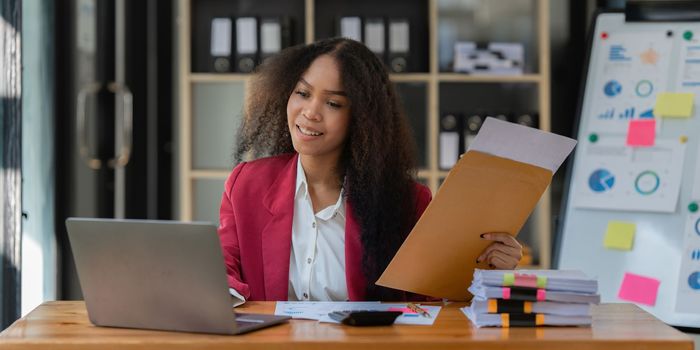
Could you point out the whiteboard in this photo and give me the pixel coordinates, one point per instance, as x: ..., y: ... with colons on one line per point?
x: 651, y: 187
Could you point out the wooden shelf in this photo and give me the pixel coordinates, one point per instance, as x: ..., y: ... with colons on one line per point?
x: 466, y: 78
x: 235, y: 77
x: 410, y: 77
x: 218, y: 77
x: 209, y: 174
x: 425, y: 174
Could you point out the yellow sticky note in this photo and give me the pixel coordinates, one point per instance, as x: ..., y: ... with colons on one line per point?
x: 619, y: 235
x: 674, y: 105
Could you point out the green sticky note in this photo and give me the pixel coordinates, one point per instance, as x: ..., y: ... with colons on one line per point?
x: 619, y: 235
x: 508, y: 279
x: 542, y: 282
x: 674, y: 105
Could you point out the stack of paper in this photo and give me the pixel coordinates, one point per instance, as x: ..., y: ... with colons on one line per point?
x: 508, y: 298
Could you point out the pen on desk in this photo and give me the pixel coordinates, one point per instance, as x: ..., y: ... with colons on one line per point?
x: 417, y: 309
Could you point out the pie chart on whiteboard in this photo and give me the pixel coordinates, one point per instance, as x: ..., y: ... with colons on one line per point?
x: 601, y: 180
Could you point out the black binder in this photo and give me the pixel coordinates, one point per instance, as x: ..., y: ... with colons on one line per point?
x: 375, y: 36
x: 399, y: 44
x: 275, y: 35
x: 471, y: 125
x: 349, y: 27
x: 528, y: 119
x: 450, y: 127
x: 221, y: 41
x: 246, y: 44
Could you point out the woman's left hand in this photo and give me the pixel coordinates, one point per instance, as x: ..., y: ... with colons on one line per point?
x: 504, y: 253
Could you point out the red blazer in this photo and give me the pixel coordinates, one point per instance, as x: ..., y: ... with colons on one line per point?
x: 255, y: 229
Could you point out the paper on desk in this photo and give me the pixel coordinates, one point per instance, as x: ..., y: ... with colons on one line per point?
x: 319, y: 310
x: 493, y: 188
x: 314, y: 310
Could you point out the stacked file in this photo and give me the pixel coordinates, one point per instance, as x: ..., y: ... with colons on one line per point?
x: 522, y: 298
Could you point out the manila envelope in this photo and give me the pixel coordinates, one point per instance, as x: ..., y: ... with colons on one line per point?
x: 482, y: 193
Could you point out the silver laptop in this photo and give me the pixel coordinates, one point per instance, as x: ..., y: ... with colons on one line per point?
x: 164, y: 275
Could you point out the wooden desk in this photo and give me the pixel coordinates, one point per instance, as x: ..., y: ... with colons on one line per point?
x: 64, y: 325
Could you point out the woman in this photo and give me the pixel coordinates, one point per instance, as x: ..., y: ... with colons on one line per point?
x: 323, y: 214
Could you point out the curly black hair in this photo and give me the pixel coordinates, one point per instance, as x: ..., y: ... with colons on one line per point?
x: 378, y: 158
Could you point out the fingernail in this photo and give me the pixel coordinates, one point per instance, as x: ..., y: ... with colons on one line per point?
x: 482, y: 235
x: 477, y: 261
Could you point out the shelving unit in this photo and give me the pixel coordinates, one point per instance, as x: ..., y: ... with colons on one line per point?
x: 433, y: 80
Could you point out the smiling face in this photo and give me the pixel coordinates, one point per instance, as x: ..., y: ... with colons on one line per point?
x: 318, y: 110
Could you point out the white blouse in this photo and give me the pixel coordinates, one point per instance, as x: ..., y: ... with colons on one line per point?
x: 317, y: 260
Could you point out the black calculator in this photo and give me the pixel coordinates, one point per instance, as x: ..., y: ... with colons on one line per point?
x: 365, y: 317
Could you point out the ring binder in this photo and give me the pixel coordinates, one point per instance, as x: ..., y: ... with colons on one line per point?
x: 220, y: 44
x: 375, y: 36
x: 275, y: 35
x: 472, y: 124
x: 527, y: 119
x: 350, y: 27
x: 246, y: 44
x: 449, y: 140
x: 399, y: 34
x: 270, y: 37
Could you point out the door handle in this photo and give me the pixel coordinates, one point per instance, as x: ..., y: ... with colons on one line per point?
x: 83, y: 148
x: 122, y: 159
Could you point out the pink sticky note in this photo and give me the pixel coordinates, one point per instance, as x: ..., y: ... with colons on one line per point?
x: 639, y: 289
x: 641, y: 132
